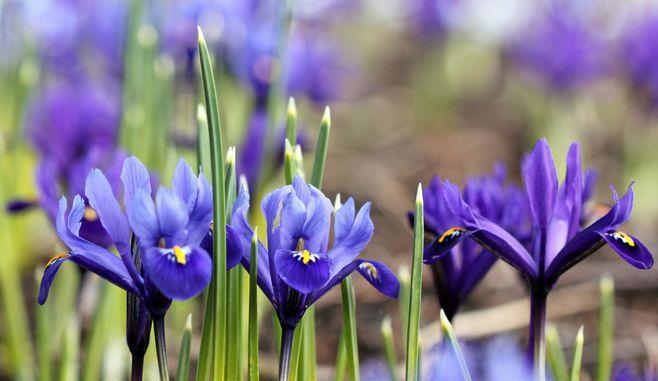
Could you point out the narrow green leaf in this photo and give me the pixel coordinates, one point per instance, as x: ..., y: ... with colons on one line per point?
x: 70, y: 356
x: 98, y: 336
x: 341, y: 358
x: 349, y: 325
x: 405, y: 291
x: 295, y: 353
x: 230, y: 181
x: 234, y: 324
x: 219, y: 212
x: 577, y: 355
x: 253, y: 308
x: 389, y: 347
x: 307, y: 369
x: 413, y: 323
x: 555, y: 355
x: 277, y: 332
x: 606, y: 328
x: 321, y: 150
x: 291, y: 121
x: 183, y: 367
x: 449, y: 334
x: 289, y: 163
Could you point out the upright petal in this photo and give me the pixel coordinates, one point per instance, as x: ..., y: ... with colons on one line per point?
x: 172, y: 216
x: 540, y: 177
x: 359, y: 230
x: 184, y: 184
x: 135, y: 176
x: 201, y: 214
x: 102, y: 200
x: 143, y: 218
x: 293, y: 217
x: 318, y: 221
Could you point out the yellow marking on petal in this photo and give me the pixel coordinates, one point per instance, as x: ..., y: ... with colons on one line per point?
x: 180, y: 256
x: 306, y: 257
x: 90, y: 214
x: 625, y: 238
x: 451, y: 233
x: 370, y: 268
x: 55, y: 259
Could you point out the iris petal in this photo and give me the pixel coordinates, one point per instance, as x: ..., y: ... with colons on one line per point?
x: 143, y: 218
x: 172, y: 215
x: 380, y: 277
x: 135, y: 176
x: 303, y: 272
x: 175, y: 277
x: 540, y: 177
x: 102, y: 199
x: 346, y: 249
x: 183, y: 184
x: 629, y: 248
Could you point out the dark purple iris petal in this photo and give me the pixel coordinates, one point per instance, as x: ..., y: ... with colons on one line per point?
x: 178, y: 276
x: 540, y: 177
x: 380, y: 277
x: 303, y: 271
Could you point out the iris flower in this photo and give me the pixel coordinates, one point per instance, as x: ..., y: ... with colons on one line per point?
x: 299, y: 266
x: 558, y: 241
x: 164, y: 235
x: 626, y: 373
x: 456, y: 275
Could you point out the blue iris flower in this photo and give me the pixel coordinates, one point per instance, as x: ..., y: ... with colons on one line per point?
x: 167, y: 233
x: 298, y: 266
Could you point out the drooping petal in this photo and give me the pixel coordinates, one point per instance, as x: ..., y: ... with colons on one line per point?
x: 180, y: 272
x: 488, y: 234
x: 629, y: 248
x: 143, y: 218
x: 360, y: 231
x: 49, y: 276
x: 540, y: 177
x: 233, y: 248
x: 172, y: 216
x: 134, y: 176
x: 380, y: 277
x: 102, y: 200
x: 442, y: 244
x: 88, y: 255
x: 603, y: 231
x: 303, y: 271
x: 184, y: 184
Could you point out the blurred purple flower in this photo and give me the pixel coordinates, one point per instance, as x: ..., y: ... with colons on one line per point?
x: 496, y: 359
x: 430, y: 18
x: 456, y: 275
x: 640, y: 52
x: 560, y: 49
x: 625, y: 372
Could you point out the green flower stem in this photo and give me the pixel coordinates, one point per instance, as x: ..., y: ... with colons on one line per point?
x: 285, y: 355
x: 161, y: 348
x: 349, y: 325
x: 389, y: 347
x: 606, y: 329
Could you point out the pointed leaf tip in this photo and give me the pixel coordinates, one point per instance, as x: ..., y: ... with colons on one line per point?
x: 200, y: 36
x: 419, y: 194
x: 580, y: 336
x: 326, y: 116
x: 254, y: 237
x: 292, y: 107
x: 230, y: 155
x: 337, y: 203
x: 607, y: 285
x: 188, y: 322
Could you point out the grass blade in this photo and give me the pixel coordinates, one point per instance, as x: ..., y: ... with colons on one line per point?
x: 413, y: 322
x: 341, y: 359
x: 606, y: 329
x: 218, y: 320
x: 291, y: 121
x: 183, y: 367
x: 449, y: 335
x: 69, y: 367
x: 555, y: 355
x: 43, y: 339
x: 349, y: 326
x: 321, y: 149
x: 577, y: 355
x: 389, y: 347
x: 405, y: 291
x: 253, y: 308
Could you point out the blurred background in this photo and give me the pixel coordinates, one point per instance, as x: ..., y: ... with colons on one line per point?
x: 416, y: 88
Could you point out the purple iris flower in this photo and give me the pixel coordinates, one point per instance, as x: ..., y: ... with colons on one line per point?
x: 73, y: 129
x: 166, y: 232
x: 430, y: 18
x: 298, y: 267
x: 626, y: 373
x: 640, y: 51
x: 456, y: 275
x: 558, y: 241
x: 559, y: 49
